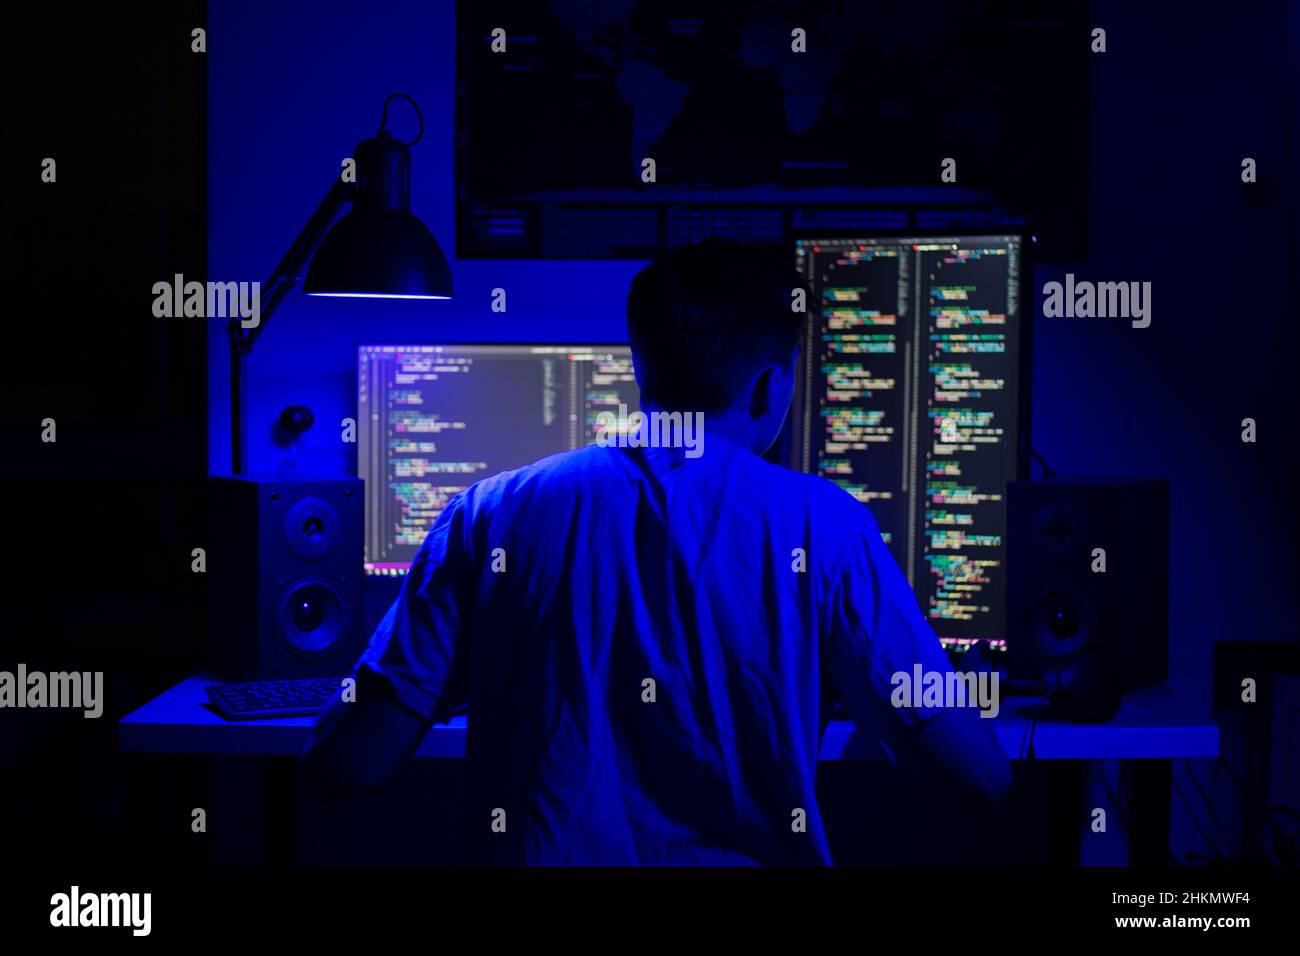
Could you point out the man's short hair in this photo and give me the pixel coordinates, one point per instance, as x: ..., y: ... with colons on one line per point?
x: 704, y: 317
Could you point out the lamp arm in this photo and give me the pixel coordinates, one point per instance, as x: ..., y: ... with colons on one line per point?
x: 289, y: 272
x: 286, y: 275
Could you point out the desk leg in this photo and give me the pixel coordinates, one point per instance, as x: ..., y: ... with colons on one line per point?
x: 252, y: 819
x: 1148, y: 811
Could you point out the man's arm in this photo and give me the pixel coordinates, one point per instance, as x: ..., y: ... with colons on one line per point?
x: 960, y: 749
x: 411, y: 675
x: 356, y: 744
x: 877, y: 632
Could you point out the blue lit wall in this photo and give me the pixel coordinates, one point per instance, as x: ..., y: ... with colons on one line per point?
x: 294, y: 86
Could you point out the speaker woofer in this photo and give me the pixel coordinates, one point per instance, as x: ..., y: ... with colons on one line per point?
x: 313, y: 616
x: 1062, y: 622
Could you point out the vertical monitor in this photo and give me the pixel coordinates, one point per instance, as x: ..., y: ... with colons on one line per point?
x: 912, y: 401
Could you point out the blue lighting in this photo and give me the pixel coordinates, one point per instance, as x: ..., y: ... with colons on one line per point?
x: 374, y: 295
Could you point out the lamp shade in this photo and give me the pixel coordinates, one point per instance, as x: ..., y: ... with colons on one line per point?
x: 379, y: 253
x: 380, y: 249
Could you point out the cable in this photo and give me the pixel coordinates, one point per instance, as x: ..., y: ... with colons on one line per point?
x: 1233, y: 774
x: 1187, y: 805
x: 383, y: 120
x: 1205, y: 797
x: 1033, y: 726
x: 1047, y: 469
x: 1290, y: 840
x: 1028, y: 734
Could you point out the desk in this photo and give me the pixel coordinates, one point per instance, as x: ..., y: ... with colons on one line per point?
x: 1152, y: 725
x: 1152, y: 728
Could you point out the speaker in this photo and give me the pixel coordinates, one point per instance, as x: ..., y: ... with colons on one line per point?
x: 1088, y: 589
x: 284, y: 568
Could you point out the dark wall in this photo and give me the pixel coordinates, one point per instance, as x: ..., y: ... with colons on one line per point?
x: 99, y: 525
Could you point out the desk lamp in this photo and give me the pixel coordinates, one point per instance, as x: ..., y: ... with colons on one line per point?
x: 378, y: 250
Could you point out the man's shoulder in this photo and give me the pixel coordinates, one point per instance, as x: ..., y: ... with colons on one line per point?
x: 822, y: 498
x: 749, y: 479
x: 558, y: 473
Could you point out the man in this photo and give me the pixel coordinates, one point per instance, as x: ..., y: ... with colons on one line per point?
x: 649, y: 639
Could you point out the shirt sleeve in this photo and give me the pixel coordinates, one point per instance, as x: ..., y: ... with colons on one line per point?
x: 877, y: 630
x: 418, y: 648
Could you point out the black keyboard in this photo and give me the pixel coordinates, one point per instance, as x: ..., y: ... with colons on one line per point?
x: 255, y: 700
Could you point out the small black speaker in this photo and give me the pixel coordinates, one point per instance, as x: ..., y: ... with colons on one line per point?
x: 284, y: 568
x: 1088, y: 588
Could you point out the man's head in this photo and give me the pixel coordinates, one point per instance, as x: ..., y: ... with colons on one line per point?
x: 713, y: 329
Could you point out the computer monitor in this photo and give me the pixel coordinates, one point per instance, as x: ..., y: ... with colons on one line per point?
x: 913, y: 398
x: 433, y: 419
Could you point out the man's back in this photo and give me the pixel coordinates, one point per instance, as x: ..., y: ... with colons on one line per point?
x: 648, y: 643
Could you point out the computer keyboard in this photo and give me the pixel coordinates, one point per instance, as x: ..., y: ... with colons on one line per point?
x: 256, y: 700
